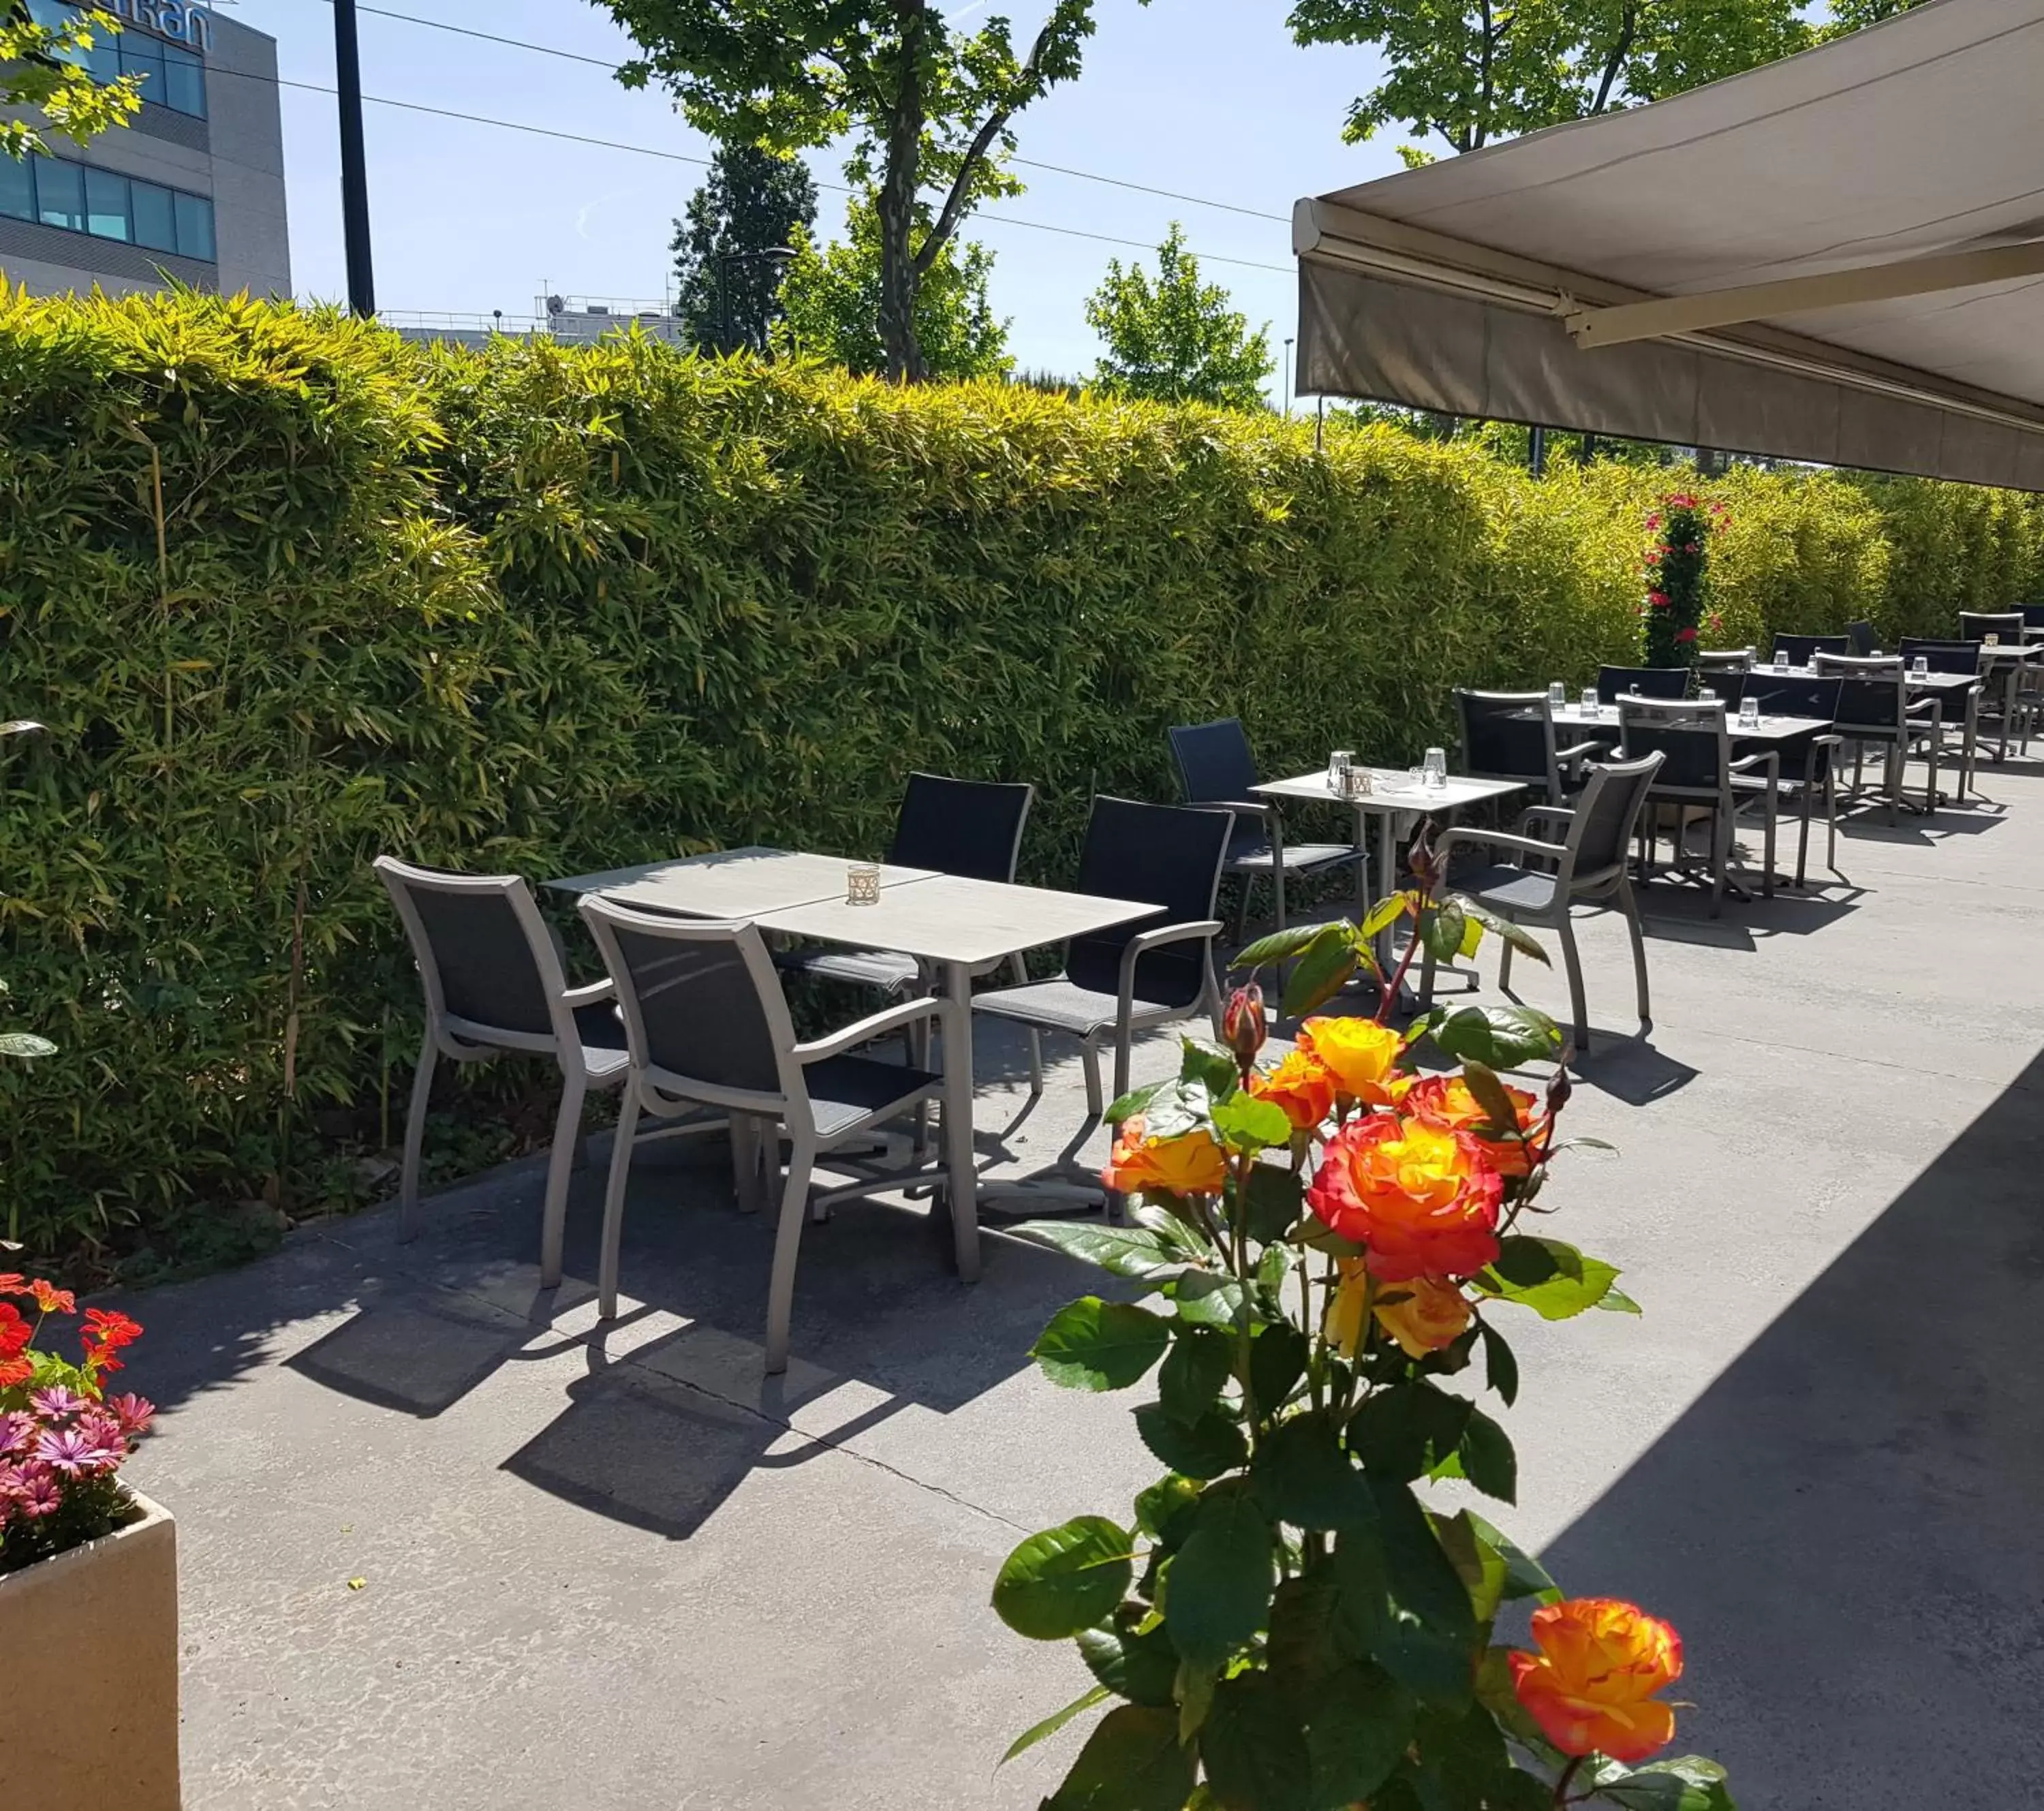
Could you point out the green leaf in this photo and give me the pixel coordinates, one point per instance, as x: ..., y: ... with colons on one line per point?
x: 1501, y: 1368
x: 1277, y: 1361
x: 1064, y: 1579
x: 1526, y: 1260
x: 1213, y: 1070
x: 25, y: 1043
x: 1209, y: 1301
x: 1525, y: 1576
x: 1056, y: 1721
x: 1092, y: 1344
x: 1403, y: 1432
x: 1139, y: 1667
x: 1205, y: 1448
x: 1489, y: 1094
x: 1304, y: 1642
x: 1521, y: 939
x: 1384, y: 913
x: 1487, y: 1460
x: 1135, y: 1101
x: 1126, y: 1251
x: 1504, y: 1037
x: 1359, y: 1721
x: 1276, y: 1196
x: 1131, y: 1762
x: 1429, y: 1640
x: 1689, y: 1783
x: 1244, y: 1123
x: 1617, y: 1301
x: 1199, y: 1364
x: 1301, y: 1475
x: 1164, y: 1511
x: 1218, y: 1585
x: 1279, y: 945
x: 1272, y: 1269
x: 1194, y: 1688
x: 1480, y: 1565
x: 1253, y: 1748
x: 1325, y: 968
x: 1443, y: 930
x: 1560, y: 1297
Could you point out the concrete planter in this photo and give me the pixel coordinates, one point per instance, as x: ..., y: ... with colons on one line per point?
x: 97, y: 1629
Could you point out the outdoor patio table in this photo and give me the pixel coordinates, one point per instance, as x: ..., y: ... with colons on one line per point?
x: 957, y: 924
x: 1393, y: 794
x: 1770, y: 730
x: 729, y: 883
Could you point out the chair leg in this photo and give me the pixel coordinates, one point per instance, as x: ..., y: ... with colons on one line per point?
x: 1573, y: 961
x: 1504, y: 970
x: 613, y: 1204
x: 1831, y: 817
x: 1629, y: 905
x: 1277, y: 891
x: 1123, y: 1039
x: 787, y: 1244
x: 567, y: 1134
x: 1767, y: 846
x: 745, y: 1158
x: 1721, y: 856
x: 1020, y: 969
x: 1803, y: 835
x: 415, y: 1138
x: 1090, y: 1062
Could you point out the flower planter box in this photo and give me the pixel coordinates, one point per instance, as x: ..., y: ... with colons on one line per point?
x: 99, y: 1627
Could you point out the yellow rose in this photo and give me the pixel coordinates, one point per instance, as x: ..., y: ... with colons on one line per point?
x: 1434, y: 1313
x: 1190, y: 1163
x: 1361, y: 1054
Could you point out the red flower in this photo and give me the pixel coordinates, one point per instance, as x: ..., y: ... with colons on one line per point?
x: 51, y: 1300
x: 13, y: 1330
x: 1681, y: 500
x: 1653, y: 521
x: 15, y: 1370
x: 1685, y: 634
x: 1658, y: 599
x: 106, y: 1331
x: 13, y: 1283
x: 1423, y: 1199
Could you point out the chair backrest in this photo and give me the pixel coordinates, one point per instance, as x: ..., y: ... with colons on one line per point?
x: 487, y: 961
x: 1506, y: 736
x: 1724, y: 660
x: 1613, y: 682
x: 1214, y: 760
x: 1803, y: 649
x: 1875, y: 693
x: 1606, y: 814
x: 702, y: 1006
x: 1940, y: 655
x: 1860, y: 638
x: 1170, y: 855
x: 970, y: 828
x: 1688, y: 734
x: 2032, y: 614
x: 1789, y: 696
x: 1976, y: 625
x: 1728, y: 687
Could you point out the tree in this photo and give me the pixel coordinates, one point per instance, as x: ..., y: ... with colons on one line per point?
x: 1469, y: 74
x: 1176, y: 339
x: 927, y: 108
x: 43, y: 67
x: 830, y: 304
x: 1849, y: 15
x: 751, y: 206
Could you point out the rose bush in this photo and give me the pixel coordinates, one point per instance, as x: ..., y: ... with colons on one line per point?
x: 1326, y: 1246
x: 1676, y: 573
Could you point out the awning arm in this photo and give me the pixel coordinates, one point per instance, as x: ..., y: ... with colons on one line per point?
x: 1794, y: 295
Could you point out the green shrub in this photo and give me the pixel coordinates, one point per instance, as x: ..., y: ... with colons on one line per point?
x: 546, y: 609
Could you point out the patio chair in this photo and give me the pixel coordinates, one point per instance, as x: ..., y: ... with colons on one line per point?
x: 1728, y: 688
x: 2015, y: 710
x: 1803, y: 649
x: 706, y: 1024
x: 1698, y: 773
x: 1808, y: 766
x: 1945, y: 657
x: 1510, y: 736
x: 1588, y: 869
x: 1116, y: 983
x: 1216, y: 767
x: 1723, y: 660
x: 970, y: 828
x: 2033, y: 619
x: 495, y: 984
x: 1862, y: 638
x: 1614, y: 682
x: 1874, y: 707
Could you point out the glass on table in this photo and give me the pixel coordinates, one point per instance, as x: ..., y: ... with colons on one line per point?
x: 1919, y: 666
x: 1749, y: 714
x: 1992, y: 639
x: 1782, y: 660
x: 862, y: 883
x: 1558, y: 695
x: 1436, y: 766
x: 1590, y: 701
x: 1339, y: 764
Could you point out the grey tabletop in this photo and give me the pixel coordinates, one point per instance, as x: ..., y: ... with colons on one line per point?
x: 1767, y: 729
x: 1917, y: 682
x: 949, y: 918
x: 730, y: 883
x: 1392, y: 789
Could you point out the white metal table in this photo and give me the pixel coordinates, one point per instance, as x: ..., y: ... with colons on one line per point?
x: 729, y: 883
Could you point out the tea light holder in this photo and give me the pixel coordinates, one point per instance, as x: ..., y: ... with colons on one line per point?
x: 862, y: 884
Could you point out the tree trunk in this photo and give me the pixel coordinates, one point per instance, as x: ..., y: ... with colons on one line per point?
x: 899, y: 281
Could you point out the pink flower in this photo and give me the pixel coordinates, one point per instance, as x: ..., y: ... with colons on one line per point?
x: 1685, y: 635
x: 41, y: 1494
x: 77, y: 1452
x: 134, y: 1415
x: 16, y: 1431
x: 1658, y: 599
x: 1688, y: 547
x: 56, y: 1402
x: 1653, y: 521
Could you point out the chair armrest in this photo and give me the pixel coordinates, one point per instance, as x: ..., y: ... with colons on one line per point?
x: 594, y: 994
x: 1934, y: 706
x: 1560, y: 814
x: 1241, y: 807
x: 877, y: 1025
x: 1501, y: 840
x: 1580, y: 751
x: 1771, y: 760
x: 1201, y: 930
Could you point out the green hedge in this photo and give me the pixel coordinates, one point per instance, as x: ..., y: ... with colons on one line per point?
x: 288, y: 592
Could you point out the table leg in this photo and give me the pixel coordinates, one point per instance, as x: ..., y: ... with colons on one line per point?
x: 1387, y: 883
x: 1363, y: 901
x: 961, y: 1185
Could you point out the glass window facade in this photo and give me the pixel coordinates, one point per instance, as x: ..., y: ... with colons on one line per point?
x: 172, y: 76
x: 104, y: 204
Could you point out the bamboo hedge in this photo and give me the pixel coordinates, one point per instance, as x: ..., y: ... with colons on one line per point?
x: 288, y: 591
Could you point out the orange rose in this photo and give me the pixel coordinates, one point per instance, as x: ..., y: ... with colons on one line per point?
x: 1302, y: 1085
x: 1190, y: 1163
x: 1433, y: 1314
x: 1361, y: 1054
x: 1590, y: 1686
x: 1446, y: 1100
x: 1424, y: 1200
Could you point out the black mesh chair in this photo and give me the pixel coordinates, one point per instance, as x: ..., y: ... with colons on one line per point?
x: 1148, y: 972
x: 1727, y: 687
x: 1614, y: 682
x: 1588, y: 868
x: 1954, y: 657
x: 1216, y: 768
x: 1510, y: 736
x: 495, y: 986
x: 1861, y: 638
x: 2014, y: 696
x: 1874, y: 708
x: 2033, y: 617
x: 706, y: 1024
x: 1698, y: 774
x: 1723, y: 660
x: 970, y: 828
x: 1809, y: 766
x: 1803, y: 649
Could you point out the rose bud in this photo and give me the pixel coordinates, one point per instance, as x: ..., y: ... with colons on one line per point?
x: 1242, y: 1026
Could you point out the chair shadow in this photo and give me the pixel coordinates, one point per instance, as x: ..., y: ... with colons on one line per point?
x: 1631, y: 1068
x: 418, y: 1359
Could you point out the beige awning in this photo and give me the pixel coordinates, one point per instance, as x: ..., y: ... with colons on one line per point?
x: 1838, y: 258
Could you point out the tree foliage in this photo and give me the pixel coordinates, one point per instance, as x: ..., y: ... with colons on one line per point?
x: 42, y: 68
x: 830, y: 304
x: 1467, y: 75
x: 1173, y: 338
x: 1849, y: 15
x: 729, y: 281
x: 927, y: 106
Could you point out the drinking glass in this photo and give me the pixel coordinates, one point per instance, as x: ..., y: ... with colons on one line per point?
x: 1339, y: 764
x: 1437, y: 767
x: 1782, y: 660
x: 1919, y: 666
x: 1558, y: 695
x: 1749, y: 714
x: 862, y: 884
x: 1590, y: 701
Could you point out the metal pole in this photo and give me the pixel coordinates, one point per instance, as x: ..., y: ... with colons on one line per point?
x: 1536, y: 450
x: 1288, y: 379
x: 354, y: 176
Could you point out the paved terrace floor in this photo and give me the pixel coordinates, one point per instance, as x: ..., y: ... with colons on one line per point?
x: 614, y: 1568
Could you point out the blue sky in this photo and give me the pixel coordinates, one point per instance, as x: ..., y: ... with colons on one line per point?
x: 1209, y: 97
